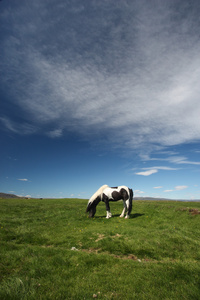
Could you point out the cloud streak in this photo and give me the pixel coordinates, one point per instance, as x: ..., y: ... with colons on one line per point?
x: 147, y: 173
x: 177, y: 188
x: 23, y: 179
x: 180, y: 187
x: 122, y: 73
x: 173, y: 159
x: 153, y: 170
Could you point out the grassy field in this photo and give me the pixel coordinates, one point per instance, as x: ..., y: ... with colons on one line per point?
x: 50, y: 249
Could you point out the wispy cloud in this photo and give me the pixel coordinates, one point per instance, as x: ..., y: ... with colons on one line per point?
x: 173, y: 159
x: 23, y: 179
x: 124, y: 74
x: 24, y: 128
x: 147, y: 173
x: 56, y: 133
x: 181, y: 160
x: 180, y: 187
x: 138, y: 192
x: 165, y: 168
x: 177, y: 188
x: 153, y: 170
x: 158, y: 187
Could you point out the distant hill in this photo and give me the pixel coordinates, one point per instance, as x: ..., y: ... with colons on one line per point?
x: 6, y: 196
x: 164, y: 199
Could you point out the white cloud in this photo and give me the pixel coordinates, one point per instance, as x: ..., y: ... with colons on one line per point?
x: 158, y: 187
x: 174, y: 159
x: 162, y: 168
x: 152, y: 170
x: 182, y: 160
x: 23, y: 179
x: 180, y: 187
x: 134, y: 89
x: 138, y: 192
x: 177, y: 188
x: 55, y: 133
x: 24, y: 128
x: 147, y: 173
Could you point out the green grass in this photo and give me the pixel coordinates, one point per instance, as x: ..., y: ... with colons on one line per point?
x: 153, y: 255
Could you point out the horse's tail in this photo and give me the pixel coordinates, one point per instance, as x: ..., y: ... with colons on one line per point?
x: 131, y: 193
x: 130, y: 201
x: 94, y: 201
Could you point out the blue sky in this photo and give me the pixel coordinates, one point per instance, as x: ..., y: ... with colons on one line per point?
x: 100, y: 92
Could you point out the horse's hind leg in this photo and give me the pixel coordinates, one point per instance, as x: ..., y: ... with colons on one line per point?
x: 124, y: 210
x: 129, y: 208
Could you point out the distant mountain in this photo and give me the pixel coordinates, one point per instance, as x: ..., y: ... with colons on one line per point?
x: 6, y: 196
x: 149, y: 198
x: 164, y: 199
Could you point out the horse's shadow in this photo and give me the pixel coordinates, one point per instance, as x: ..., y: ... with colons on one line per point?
x: 136, y: 215
x: 132, y: 216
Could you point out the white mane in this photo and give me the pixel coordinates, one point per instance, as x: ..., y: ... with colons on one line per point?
x: 98, y: 192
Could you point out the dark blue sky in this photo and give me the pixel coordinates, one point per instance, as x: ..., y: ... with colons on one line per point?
x: 100, y: 92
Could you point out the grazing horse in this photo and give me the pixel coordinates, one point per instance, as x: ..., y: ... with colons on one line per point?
x: 106, y: 194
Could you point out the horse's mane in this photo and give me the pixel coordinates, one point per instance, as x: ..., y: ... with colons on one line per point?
x: 98, y: 192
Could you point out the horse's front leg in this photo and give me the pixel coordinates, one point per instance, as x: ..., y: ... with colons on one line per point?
x: 108, y: 215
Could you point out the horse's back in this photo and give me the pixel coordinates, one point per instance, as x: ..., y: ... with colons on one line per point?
x: 121, y: 190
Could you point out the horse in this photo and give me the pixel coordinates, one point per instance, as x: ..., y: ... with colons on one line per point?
x: 106, y: 194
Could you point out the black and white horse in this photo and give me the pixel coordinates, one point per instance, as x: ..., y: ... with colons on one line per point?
x: 106, y: 194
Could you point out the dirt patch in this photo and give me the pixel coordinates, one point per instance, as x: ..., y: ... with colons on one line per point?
x: 91, y: 250
x: 130, y: 256
x: 116, y: 235
x: 182, y: 209
x: 100, y: 237
x: 98, y: 250
x: 194, y: 211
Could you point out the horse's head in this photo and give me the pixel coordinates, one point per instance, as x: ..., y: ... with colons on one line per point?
x: 92, y: 212
x: 91, y: 207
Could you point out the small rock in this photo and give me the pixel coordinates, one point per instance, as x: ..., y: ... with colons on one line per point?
x: 74, y: 249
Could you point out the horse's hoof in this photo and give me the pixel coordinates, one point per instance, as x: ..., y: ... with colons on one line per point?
x: 127, y: 217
